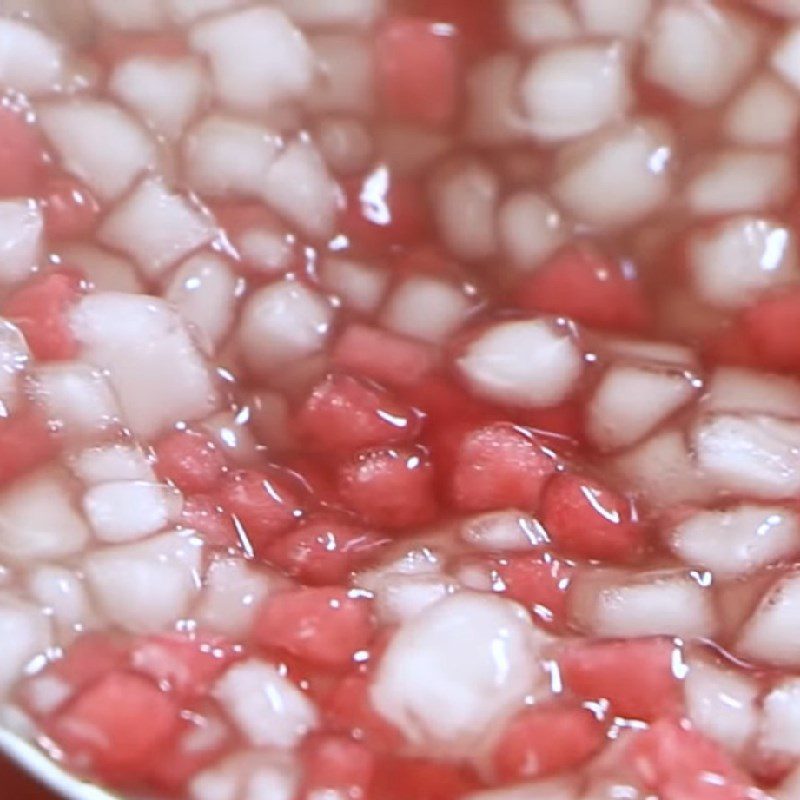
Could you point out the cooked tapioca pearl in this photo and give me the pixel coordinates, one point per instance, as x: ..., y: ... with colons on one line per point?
x: 230, y: 432
x: 614, y: 17
x: 614, y: 604
x: 734, y: 261
x: 736, y: 541
x: 149, y: 358
x: 530, y: 229
x: 62, y: 594
x: 785, y: 55
x: 165, y: 94
x: 780, y: 8
x: 502, y: 530
x: 735, y: 389
x: 76, y: 398
x: 345, y: 80
x: 554, y: 789
x: 399, y: 598
x: 722, y: 703
x: 21, y: 235
x: 223, y: 155
x: 346, y: 12
x: 39, y: 519
x: 299, y: 187
x: 282, y: 323
x: 465, y: 198
x: 699, y: 51
x: 616, y: 178
x: 156, y: 227
x: 249, y: 775
x: 258, y: 57
x: 106, y: 271
x: 493, y: 117
x: 425, y: 308
x: 535, y: 21
x: 632, y: 400
x: 360, y: 285
x: 204, y: 289
x: 741, y: 180
x: 25, y: 633
x: 459, y: 667
x: 98, y: 142
x: 111, y: 462
x: 409, y: 149
x: 346, y: 144
x: 572, y: 90
x: 268, y: 709
x: 666, y: 354
x: 138, y: 15
x: 123, y: 511
x: 526, y: 363
x: 766, y: 112
x: 14, y: 357
x: 32, y: 62
x: 779, y: 731
x: 186, y: 11
x: 753, y: 454
x: 146, y: 586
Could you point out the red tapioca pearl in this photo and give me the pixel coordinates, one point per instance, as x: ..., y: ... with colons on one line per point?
x: 588, y: 520
x: 418, y: 70
x: 116, y: 727
x: 325, y: 549
x: 382, y: 356
x: 336, y: 764
x: 265, y: 505
x: 500, y: 466
x: 398, y: 778
x: 22, y: 154
x: 638, y: 677
x: 771, y: 326
x: 545, y: 740
x: 204, y: 514
x: 382, y: 210
x: 70, y: 209
x: 190, y: 460
x: 26, y: 442
x: 581, y: 283
x: 680, y: 763
x: 344, y: 414
x: 323, y: 625
x: 390, y: 487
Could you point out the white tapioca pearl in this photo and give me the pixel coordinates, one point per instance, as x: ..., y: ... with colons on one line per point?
x: 98, y: 142
x: 14, y: 357
x: 30, y: 61
x: 766, y: 112
x: 346, y: 144
x: 223, y: 155
x: 39, y: 519
x: 282, y: 323
x: 465, y: 197
x: 526, y: 363
x: 739, y: 390
x: 230, y: 432
x: 572, y: 90
x: 722, y: 703
x: 779, y: 731
x: 149, y: 358
x: 785, y: 57
x: 755, y: 455
x: 614, y: 604
x: 536, y: 21
x: 616, y: 178
x: 346, y: 70
x: 345, y: 13
x: 741, y: 180
x: 62, y: 594
x: 21, y: 238
x: 258, y: 57
x: 164, y: 93
x: 111, y: 462
x: 398, y: 598
x: 106, y: 271
x: 249, y: 775
x: 780, y: 8
x: 503, y: 530
x: 493, y: 117
x: 146, y: 586
x: 186, y: 11
x: 530, y: 229
x: 734, y: 261
x: 360, y: 285
x: 268, y: 709
x: 699, y: 51
x: 25, y: 633
x: 452, y: 672
x: 614, y: 17
x: 736, y: 541
x: 632, y: 400
x: 131, y: 15
x: 770, y: 635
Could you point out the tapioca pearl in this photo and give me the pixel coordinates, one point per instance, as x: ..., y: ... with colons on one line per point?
x: 722, y: 703
x: 400, y: 598
x: 359, y: 284
x: 257, y: 56
x: 493, y: 117
x: 644, y: 351
x: 346, y: 74
x: 699, y: 52
x: 33, y: 62
x: 530, y: 229
x: 502, y: 530
x: 184, y: 12
x: 570, y: 91
x: 139, y: 15
x: 346, y: 144
x: 784, y: 57
x: 61, y: 592
x: 739, y: 390
x: 617, y: 177
x: 248, y: 775
x: 410, y: 149
x: 146, y: 586
x: 267, y: 708
x: 527, y: 363
x: 39, y: 519
x: 282, y: 323
x: 533, y: 22
x: 347, y: 13
x: 106, y: 271
x: 625, y: 18
x: 110, y: 462
x: 765, y: 112
x: 14, y: 357
x: 788, y: 9
x: 461, y: 666
x: 21, y: 234
x: 98, y: 142
x: 26, y: 633
x: 779, y: 729
x: 730, y: 263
